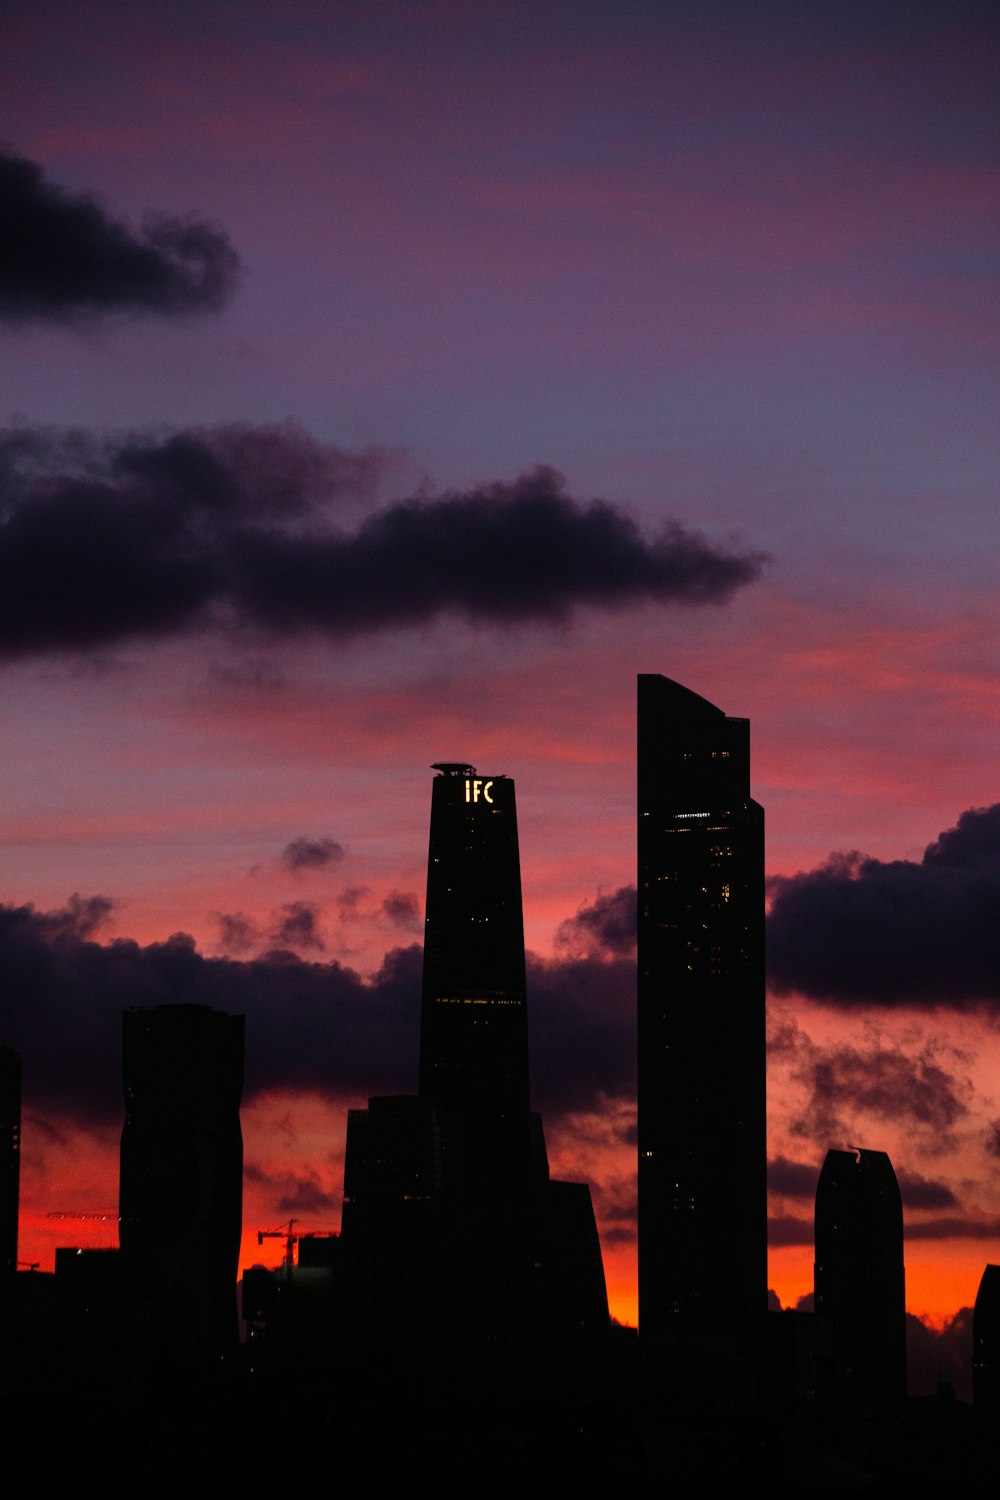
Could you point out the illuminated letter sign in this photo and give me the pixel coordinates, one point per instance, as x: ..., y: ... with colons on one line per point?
x: 476, y: 789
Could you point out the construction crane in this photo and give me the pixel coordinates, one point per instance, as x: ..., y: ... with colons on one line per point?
x: 285, y: 1233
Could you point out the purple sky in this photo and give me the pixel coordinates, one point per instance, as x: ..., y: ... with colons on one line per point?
x: 732, y: 265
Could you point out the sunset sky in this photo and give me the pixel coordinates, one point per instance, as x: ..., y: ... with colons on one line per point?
x: 306, y: 412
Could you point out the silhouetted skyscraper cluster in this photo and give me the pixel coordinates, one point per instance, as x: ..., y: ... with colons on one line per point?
x: 471, y: 1265
x: 464, y: 1277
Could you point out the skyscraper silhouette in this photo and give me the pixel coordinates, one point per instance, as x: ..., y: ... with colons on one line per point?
x: 986, y: 1344
x: 181, y: 1184
x: 10, y: 1180
x: 471, y: 1264
x: 701, y: 1086
x: 10, y: 1156
x: 473, y: 1020
x: 860, y: 1283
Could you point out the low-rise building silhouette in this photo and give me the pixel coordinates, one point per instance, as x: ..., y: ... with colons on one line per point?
x: 181, y: 1182
x: 860, y: 1283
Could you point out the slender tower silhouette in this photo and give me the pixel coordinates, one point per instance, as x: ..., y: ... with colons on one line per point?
x: 860, y: 1282
x: 473, y: 1022
x: 471, y: 1264
x: 986, y: 1344
x: 702, y: 1154
x: 10, y: 1179
x: 181, y: 1184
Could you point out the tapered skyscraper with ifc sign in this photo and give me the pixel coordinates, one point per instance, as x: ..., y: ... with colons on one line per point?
x: 702, y: 1193
x: 472, y: 1266
x: 474, y: 1021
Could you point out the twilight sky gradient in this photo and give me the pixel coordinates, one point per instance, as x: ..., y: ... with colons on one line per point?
x: 283, y: 523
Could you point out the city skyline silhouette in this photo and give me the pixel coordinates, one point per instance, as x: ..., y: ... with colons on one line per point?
x: 401, y: 380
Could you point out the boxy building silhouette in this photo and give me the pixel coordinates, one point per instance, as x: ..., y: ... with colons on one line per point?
x: 701, y: 1035
x: 860, y: 1283
x: 181, y: 1183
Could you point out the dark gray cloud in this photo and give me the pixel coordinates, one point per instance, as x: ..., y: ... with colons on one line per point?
x: 582, y: 1025
x: 845, y: 1081
x: 792, y: 1179
x: 298, y: 1193
x: 104, y: 540
x: 605, y: 925
x: 617, y: 1206
x: 238, y: 933
x: 955, y: 1227
x: 786, y: 1229
x: 298, y: 927
x: 311, y: 854
x: 309, y: 1025
x: 923, y: 1192
x: 63, y: 257
x: 403, y: 910
x: 897, y: 932
x: 934, y: 1355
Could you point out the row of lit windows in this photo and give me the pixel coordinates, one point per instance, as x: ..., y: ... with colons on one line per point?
x: 477, y: 1000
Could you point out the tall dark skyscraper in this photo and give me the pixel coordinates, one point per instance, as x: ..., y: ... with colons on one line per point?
x: 986, y: 1344
x: 10, y: 1157
x: 701, y: 1025
x: 181, y: 1185
x: 474, y: 1019
x: 471, y: 1265
x: 860, y: 1282
x: 10, y: 1182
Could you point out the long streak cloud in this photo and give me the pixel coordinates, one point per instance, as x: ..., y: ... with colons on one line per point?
x: 105, y: 540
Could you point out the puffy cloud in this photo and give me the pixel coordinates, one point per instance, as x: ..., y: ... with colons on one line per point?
x: 298, y: 1193
x: 786, y: 1229
x: 934, y: 1355
x: 955, y: 1227
x: 845, y: 1082
x: 309, y: 1025
x: 238, y: 933
x: 605, y: 925
x: 64, y: 258
x: 298, y: 927
x: 860, y: 930
x: 792, y: 1179
x: 311, y: 854
x: 923, y: 1192
x: 403, y: 910
x: 582, y: 1024
x: 108, y: 539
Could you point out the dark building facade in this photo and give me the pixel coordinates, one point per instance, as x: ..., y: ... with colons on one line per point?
x: 860, y: 1282
x: 701, y: 1027
x: 10, y: 1182
x: 471, y: 1265
x: 474, y: 1018
x: 10, y: 1156
x: 181, y: 1183
x: 986, y: 1344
